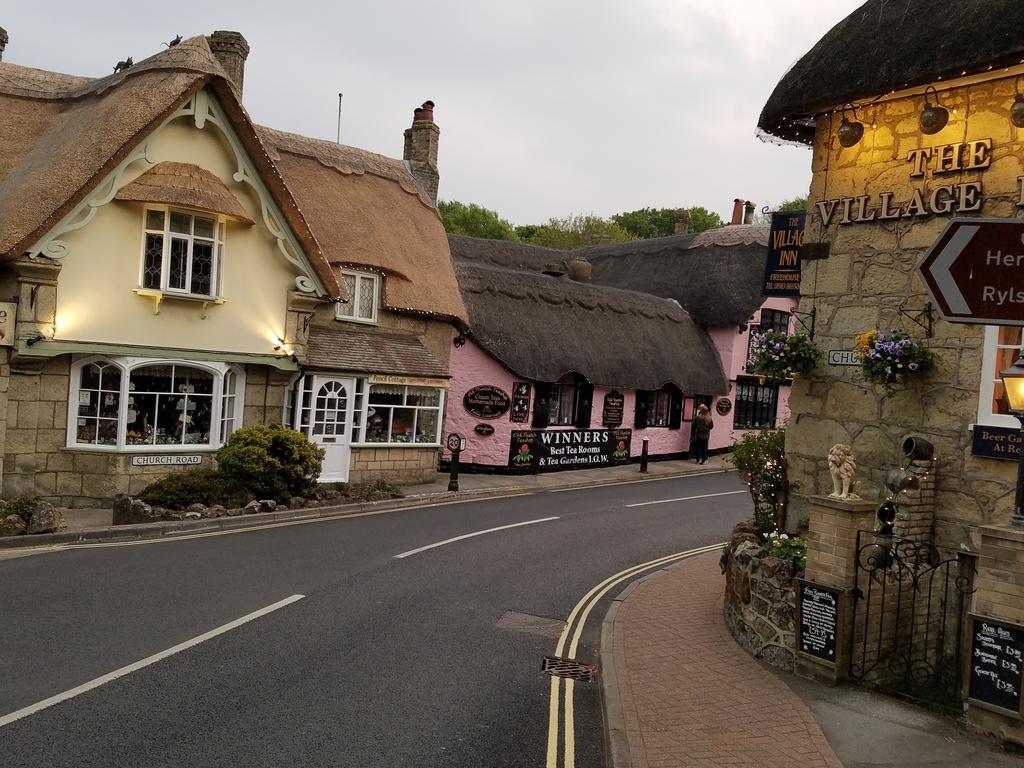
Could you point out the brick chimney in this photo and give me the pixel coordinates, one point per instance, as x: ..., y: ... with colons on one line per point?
x: 231, y: 50
x: 3, y: 42
x: 421, y: 148
x: 748, y: 212
x: 737, y: 211
x: 682, y: 221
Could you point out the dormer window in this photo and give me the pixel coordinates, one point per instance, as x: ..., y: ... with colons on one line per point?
x: 182, y: 252
x: 363, y: 297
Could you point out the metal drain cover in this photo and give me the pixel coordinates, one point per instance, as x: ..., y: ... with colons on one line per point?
x: 558, y: 667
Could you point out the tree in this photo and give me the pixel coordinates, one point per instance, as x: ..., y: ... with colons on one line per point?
x: 574, y: 232
x: 646, y: 223
x: 796, y: 204
x: 701, y: 220
x: 474, y: 221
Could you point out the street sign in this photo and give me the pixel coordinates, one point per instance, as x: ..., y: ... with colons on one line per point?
x: 456, y: 442
x: 842, y: 357
x: 975, y: 271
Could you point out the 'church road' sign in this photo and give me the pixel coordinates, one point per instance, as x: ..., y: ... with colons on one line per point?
x: 975, y: 271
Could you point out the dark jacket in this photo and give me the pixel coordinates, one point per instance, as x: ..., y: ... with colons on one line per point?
x: 702, y: 426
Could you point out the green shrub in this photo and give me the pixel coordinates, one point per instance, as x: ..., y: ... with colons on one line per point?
x: 272, y: 462
x: 202, y: 486
x: 786, y: 547
x: 23, y: 506
x: 761, y: 459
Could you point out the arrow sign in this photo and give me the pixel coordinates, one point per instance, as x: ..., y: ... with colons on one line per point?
x: 975, y: 271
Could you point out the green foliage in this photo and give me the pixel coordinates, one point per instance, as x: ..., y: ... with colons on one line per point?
x: 891, y: 358
x: 271, y: 462
x: 723, y: 559
x: 786, y: 547
x: 202, y: 486
x: 574, y: 232
x: 526, y: 232
x: 647, y: 223
x: 761, y: 459
x: 701, y: 220
x: 779, y: 355
x: 474, y: 221
x: 796, y: 204
x: 23, y: 506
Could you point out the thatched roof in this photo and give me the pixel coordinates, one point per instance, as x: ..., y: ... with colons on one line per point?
x: 717, y: 276
x: 369, y: 211
x: 343, y: 346
x: 885, y: 46
x: 184, y: 184
x: 542, y: 328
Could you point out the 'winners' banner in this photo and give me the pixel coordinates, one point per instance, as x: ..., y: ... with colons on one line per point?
x: 568, y: 448
x: 782, y: 274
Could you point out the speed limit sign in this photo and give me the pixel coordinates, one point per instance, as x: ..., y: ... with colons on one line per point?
x: 456, y: 442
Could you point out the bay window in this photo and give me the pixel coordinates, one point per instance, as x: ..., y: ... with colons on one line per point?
x: 132, y: 404
x: 182, y: 252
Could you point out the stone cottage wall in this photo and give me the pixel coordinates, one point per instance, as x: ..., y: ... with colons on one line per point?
x: 869, y: 275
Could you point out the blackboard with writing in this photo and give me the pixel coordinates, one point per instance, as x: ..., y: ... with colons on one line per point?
x: 819, y: 621
x: 997, y: 659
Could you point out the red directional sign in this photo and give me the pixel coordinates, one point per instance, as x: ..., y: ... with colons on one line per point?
x: 975, y: 271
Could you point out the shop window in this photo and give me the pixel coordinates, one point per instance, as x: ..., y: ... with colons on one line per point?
x: 756, y: 404
x: 364, y: 296
x: 182, y: 252
x: 133, y: 404
x: 772, y: 321
x: 565, y: 403
x: 659, y: 408
x: 396, y: 413
x: 1002, y: 348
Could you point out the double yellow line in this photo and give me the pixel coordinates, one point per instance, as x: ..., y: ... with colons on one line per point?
x: 574, y: 625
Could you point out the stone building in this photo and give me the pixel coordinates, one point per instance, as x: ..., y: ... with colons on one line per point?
x: 172, y: 271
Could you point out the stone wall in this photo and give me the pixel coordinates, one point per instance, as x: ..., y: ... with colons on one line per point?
x: 868, y: 276
x: 760, y: 600
x: 400, y: 466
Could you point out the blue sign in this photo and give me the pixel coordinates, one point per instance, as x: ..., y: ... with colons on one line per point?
x: 996, y: 442
x: 782, y: 273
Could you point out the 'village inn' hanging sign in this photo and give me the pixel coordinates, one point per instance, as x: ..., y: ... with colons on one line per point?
x: 943, y: 200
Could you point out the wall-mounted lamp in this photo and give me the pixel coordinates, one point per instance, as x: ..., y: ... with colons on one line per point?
x: 850, y: 132
x: 1013, y: 386
x: 934, y: 116
x: 1017, y: 108
x: 35, y: 339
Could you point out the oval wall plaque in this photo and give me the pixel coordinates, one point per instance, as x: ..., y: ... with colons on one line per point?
x: 487, y: 402
x: 484, y: 429
x: 723, y: 406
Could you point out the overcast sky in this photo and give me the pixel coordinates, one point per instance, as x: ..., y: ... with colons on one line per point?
x: 546, y: 108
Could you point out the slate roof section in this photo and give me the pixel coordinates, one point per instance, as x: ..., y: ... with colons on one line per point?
x: 884, y: 46
x: 543, y: 327
x: 344, y: 346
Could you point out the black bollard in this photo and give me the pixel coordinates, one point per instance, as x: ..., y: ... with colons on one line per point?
x: 643, y: 457
x: 453, y: 477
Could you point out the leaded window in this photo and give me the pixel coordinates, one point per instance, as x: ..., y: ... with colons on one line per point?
x: 756, y: 404
x: 364, y: 296
x: 182, y: 252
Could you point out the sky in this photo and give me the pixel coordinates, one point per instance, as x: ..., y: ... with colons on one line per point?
x: 546, y: 109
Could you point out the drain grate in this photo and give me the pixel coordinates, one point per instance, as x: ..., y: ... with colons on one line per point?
x: 557, y: 667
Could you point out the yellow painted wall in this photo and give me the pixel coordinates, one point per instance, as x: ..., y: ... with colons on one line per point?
x: 95, y: 301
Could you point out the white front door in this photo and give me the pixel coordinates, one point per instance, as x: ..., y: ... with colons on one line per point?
x: 331, y: 425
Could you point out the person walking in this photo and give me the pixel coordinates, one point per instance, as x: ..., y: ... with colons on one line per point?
x: 702, y: 426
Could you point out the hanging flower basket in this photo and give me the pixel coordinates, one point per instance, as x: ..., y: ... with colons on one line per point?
x: 779, y: 356
x: 892, y: 358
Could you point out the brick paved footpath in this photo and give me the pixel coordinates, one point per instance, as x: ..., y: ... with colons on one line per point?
x: 680, y: 692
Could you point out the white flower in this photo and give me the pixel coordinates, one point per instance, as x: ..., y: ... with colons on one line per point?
x: 784, y: 536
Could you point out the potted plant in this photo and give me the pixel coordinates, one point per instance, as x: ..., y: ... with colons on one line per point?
x: 891, y: 358
x: 781, y: 356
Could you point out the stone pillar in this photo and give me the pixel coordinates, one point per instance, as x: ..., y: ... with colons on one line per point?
x: 915, y: 508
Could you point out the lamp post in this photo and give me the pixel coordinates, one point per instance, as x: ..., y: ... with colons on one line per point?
x: 1013, y: 386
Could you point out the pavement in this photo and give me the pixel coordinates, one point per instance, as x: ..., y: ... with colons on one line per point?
x: 678, y: 691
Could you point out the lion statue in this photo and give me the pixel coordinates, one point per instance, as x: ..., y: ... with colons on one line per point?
x: 842, y: 467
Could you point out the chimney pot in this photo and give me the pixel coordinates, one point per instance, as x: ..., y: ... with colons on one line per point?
x: 3, y: 42
x: 748, y: 212
x: 737, y: 211
x: 682, y: 221
x: 420, y: 150
x: 230, y: 49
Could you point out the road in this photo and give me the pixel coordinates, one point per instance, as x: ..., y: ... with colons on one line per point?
x: 383, y: 661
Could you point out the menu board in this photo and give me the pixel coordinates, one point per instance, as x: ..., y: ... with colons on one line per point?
x: 612, y: 414
x: 819, y: 621
x: 997, y: 652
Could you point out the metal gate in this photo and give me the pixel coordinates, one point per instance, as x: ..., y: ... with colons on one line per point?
x: 908, y: 617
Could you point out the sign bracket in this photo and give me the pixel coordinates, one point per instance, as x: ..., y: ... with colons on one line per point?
x: 925, y: 318
x: 808, y: 324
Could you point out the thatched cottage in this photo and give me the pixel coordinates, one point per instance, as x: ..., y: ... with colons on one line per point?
x: 172, y: 271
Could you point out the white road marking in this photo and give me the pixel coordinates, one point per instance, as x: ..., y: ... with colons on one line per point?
x: 685, y: 498
x: 32, y: 709
x: 471, y: 535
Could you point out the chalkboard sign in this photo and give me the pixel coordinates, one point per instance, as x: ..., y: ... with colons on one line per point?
x: 997, y: 659
x: 819, y: 621
x: 613, y: 408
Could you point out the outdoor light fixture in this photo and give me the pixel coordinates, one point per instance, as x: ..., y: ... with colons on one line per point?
x: 35, y: 339
x: 1013, y: 386
x: 934, y: 116
x: 850, y: 132
x: 1017, y: 108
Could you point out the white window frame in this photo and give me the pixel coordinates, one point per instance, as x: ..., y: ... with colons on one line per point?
x: 360, y: 279
x: 216, y: 281
x: 987, y: 388
x: 126, y: 365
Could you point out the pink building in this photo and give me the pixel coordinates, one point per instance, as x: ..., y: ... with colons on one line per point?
x: 574, y: 359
